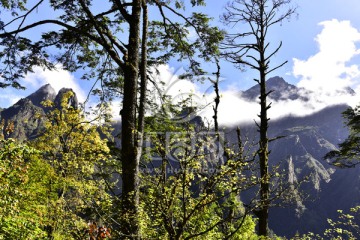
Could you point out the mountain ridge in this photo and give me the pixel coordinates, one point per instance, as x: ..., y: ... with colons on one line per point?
x: 281, y: 90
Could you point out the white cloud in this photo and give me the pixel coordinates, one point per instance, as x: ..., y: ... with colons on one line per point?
x: 33, y: 81
x: 325, y: 73
x: 233, y: 109
x: 330, y: 69
x: 173, y: 86
x: 315, y: 103
x: 115, y: 108
x: 58, y: 79
x: 324, y: 78
x: 8, y: 98
x: 179, y: 90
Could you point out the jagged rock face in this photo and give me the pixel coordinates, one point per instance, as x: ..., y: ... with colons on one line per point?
x: 350, y: 91
x: 300, y: 154
x: 73, y: 101
x: 306, y: 148
x: 302, y: 150
x: 46, y: 92
x: 26, y: 118
x: 281, y: 90
x: 28, y: 114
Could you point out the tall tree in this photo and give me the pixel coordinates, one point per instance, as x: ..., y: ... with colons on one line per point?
x: 93, y: 39
x: 250, y: 48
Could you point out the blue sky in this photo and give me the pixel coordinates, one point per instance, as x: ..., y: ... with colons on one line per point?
x: 298, y: 35
x: 321, y: 44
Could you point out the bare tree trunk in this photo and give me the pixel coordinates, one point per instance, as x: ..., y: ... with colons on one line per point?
x: 263, y: 213
x: 217, y: 98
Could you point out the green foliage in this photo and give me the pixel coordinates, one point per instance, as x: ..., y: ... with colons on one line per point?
x: 13, y: 5
x: 75, y: 151
x: 192, y: 39
x: 93, y: 41
x: 51, y: 189
x: 187, y: 191
x: 346, y: 226
x: 349, y: 153
x: 22, y: 197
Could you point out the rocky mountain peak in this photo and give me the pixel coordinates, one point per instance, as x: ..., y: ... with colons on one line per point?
x: 73, y: 100
x: 348, y: 91
x: 282, y: 90
x: 46, y: 92
x: 26, y: 113
x: 277, y: 82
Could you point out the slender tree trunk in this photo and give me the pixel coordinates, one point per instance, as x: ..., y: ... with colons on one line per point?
x: 130, y: 162
x: 263, y: 213
x: 216, y: 100
x: 143, y: 77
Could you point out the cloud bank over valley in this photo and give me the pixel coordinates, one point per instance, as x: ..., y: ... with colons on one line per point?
x: 328, y: 77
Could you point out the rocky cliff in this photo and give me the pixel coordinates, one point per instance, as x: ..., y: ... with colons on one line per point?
x: 26, y: 117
